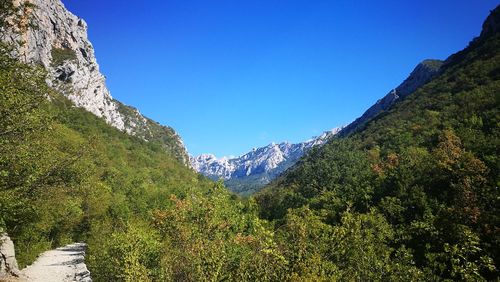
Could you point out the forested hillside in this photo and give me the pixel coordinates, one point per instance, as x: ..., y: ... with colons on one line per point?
x: 418, y: 183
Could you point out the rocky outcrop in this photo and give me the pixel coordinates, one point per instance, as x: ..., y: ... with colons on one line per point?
x: 422, y: 74
x: 49, y: 35
x: 8, y: 262
x: 492, y: 24
x: 58, y: 40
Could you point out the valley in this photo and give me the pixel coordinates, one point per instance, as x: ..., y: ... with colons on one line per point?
x: 247, y: 174
x: 406, y: 192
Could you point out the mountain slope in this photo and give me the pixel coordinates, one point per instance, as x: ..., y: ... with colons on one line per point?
x: 248, y: 173
x: 66, y: 173
x: 46, y: 33
x: 428, y: 166
x: 421, y: 75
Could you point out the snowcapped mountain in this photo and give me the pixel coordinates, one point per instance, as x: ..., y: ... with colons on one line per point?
x: 257, y: 167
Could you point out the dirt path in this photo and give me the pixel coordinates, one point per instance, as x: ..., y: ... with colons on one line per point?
x: 65, y: 264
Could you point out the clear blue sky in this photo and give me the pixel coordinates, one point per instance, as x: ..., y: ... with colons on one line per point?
x: 236, y: 74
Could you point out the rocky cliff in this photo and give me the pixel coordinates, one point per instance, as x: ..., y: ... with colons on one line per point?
x: 46, y: 33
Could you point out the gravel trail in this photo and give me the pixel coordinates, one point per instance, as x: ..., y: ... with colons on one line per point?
x: 65, y: 264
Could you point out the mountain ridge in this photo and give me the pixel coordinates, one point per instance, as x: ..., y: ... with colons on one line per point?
x: 265, y: 162
x: 421, y: 74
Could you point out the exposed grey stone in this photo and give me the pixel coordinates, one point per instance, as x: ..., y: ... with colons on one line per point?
x: 8, y: 262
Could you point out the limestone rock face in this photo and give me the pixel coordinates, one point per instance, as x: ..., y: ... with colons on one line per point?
x: 8, y: 262
x: 55, y: 28
x: 53, y: 37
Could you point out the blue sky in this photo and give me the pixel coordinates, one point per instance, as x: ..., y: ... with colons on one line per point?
x: 230, y: 75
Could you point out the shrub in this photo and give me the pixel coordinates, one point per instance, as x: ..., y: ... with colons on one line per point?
x: 60, y: 55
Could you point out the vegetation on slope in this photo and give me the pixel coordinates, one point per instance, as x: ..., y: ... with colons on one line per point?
x: 152, y: 131
x: 53, y: 154
x: 425, y: 173
x: 60, y: 55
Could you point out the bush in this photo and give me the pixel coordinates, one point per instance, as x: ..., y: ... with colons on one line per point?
x: 60, y: 55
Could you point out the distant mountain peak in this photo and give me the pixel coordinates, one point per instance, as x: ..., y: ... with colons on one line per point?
x: 275, y: 157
